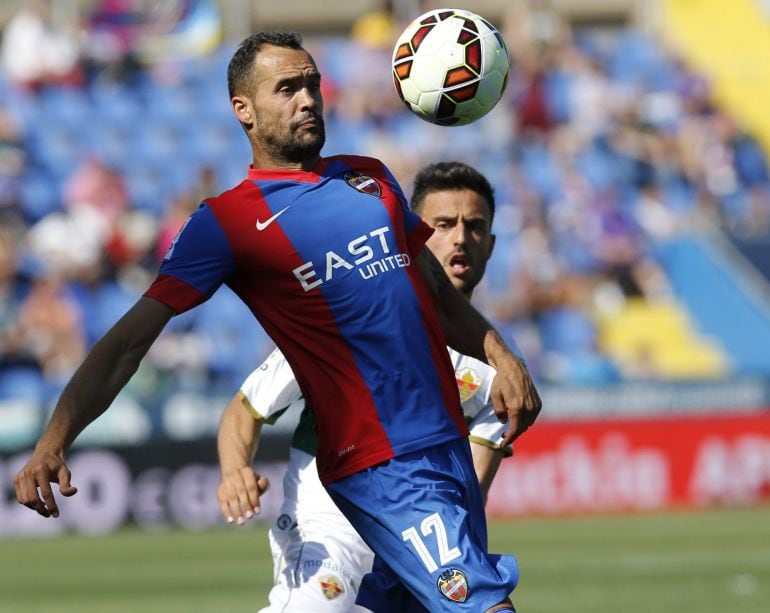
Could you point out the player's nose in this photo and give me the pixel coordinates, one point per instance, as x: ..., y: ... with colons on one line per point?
x: 307, y: 100
x: 459, y: 234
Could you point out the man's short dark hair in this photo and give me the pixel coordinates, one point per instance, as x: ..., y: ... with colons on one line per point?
x: 451, y: 175
x: 239, y: 68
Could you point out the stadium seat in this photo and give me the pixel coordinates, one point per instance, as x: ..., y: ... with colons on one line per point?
x: 658, y: 338
x: 20, y: 421
x: 145, y: 187
x: 126, y: 423
x: 118, y: 103
x: 58, y: 148
x: 66, y: 105
x: 38, y: 196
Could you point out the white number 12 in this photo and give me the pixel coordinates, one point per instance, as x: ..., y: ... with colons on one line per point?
x: 430, y: 524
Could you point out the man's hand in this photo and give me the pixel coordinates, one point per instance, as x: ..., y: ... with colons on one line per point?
x: 514, y: 397
x: 107, y: 368
x: 239, y: 492
x: 33, y: 482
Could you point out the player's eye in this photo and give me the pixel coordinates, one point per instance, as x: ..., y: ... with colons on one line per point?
x: 477, y: 227
x: 287, y: 87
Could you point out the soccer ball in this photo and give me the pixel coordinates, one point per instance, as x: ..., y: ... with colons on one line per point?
x: 450, y: 67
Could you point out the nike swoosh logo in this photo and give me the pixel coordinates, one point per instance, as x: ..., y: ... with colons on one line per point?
x: 261, y: 225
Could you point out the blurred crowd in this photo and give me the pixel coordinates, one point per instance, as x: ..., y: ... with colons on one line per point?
x: 604, y: 145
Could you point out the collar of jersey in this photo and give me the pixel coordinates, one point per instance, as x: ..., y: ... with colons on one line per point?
x: 274, y: 174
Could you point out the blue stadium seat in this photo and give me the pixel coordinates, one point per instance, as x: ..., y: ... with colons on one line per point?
x: 23, y: 383
x: 638, y: 60
x: 112, y: 143
x: 38, y: 196
x: 144, y: 182
x: 158, y: 142
x: 118, y: 103
x: 57, y: 148
x: 539, y: 169
x: 68, y: 106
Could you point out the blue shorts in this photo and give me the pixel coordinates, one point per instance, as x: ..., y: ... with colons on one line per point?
x: 423, y: 515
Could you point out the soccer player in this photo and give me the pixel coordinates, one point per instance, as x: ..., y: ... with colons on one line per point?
x: 318, y: 557
x: 326, y: 254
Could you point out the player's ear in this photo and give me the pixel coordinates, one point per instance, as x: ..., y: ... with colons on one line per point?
x: 492, y: 240
x: 242, y: 109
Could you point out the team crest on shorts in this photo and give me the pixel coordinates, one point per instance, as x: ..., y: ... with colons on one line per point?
x: 284, y: 521
x: 331, y: 586
x: 363, y: 183
x: 453, y: 585
x: 468, y: 382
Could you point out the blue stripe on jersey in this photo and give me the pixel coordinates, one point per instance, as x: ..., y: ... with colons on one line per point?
x: 200, y: 255
x: 335, y: 166
x: 351, y: 255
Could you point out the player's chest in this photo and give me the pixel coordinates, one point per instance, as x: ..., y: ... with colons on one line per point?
x: 323, y: 235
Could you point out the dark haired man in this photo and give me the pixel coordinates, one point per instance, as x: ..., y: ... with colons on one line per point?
x: 331, y: 262
x: 458, y: 202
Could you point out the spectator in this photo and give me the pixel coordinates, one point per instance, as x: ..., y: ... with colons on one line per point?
x: 11, y: 292
x: 96, y: 186
x: 179, y: 209
x: 13, y: 161
x: 50, y: 326
x: 111, y: 31
x: 36, y: 52
x: 377, y: 28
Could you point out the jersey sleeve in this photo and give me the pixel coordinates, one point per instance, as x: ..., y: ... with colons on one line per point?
x: 474, y: 380
x: 270, y: 389
x: 486, y: 430
x: 198, y: 261
x: 484, y: 427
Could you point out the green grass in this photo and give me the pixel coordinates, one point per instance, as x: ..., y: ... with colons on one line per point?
x: 705, y: 562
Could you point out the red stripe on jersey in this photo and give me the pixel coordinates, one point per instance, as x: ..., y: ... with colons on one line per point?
x: 418, y: 237
x: 443, y: 364
x: 303, y: 176
x: 326, y: 371
x: 175, y: 293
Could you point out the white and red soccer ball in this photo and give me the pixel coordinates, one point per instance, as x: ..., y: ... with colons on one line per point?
x: 450, y: 67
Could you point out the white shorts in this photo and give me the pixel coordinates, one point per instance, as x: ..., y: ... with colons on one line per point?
x: 318, y: 558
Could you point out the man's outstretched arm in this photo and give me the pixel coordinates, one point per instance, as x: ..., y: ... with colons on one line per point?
x: 237, y: 440
x: 513, y: 393
x: 107, y: 368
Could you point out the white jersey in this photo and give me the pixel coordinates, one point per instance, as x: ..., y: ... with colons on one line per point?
x: 318, y: 557
x: 271, y: 389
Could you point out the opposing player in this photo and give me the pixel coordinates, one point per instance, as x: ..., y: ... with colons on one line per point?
x: 318, y: 557
x: 326, y: 254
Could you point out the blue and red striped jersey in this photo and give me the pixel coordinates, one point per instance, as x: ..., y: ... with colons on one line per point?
x: 325, y: 260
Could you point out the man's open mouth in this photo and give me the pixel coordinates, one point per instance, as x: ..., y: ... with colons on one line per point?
x: 458, y: 264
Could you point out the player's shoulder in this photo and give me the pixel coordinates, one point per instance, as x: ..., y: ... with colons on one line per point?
x: 230, y: 196
x: 274, y: 366
x: 271, y: 387
x: 360, y: 163
x: 359, y: 167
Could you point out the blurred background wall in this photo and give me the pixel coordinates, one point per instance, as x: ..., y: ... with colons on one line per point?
x: 629, y: 158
